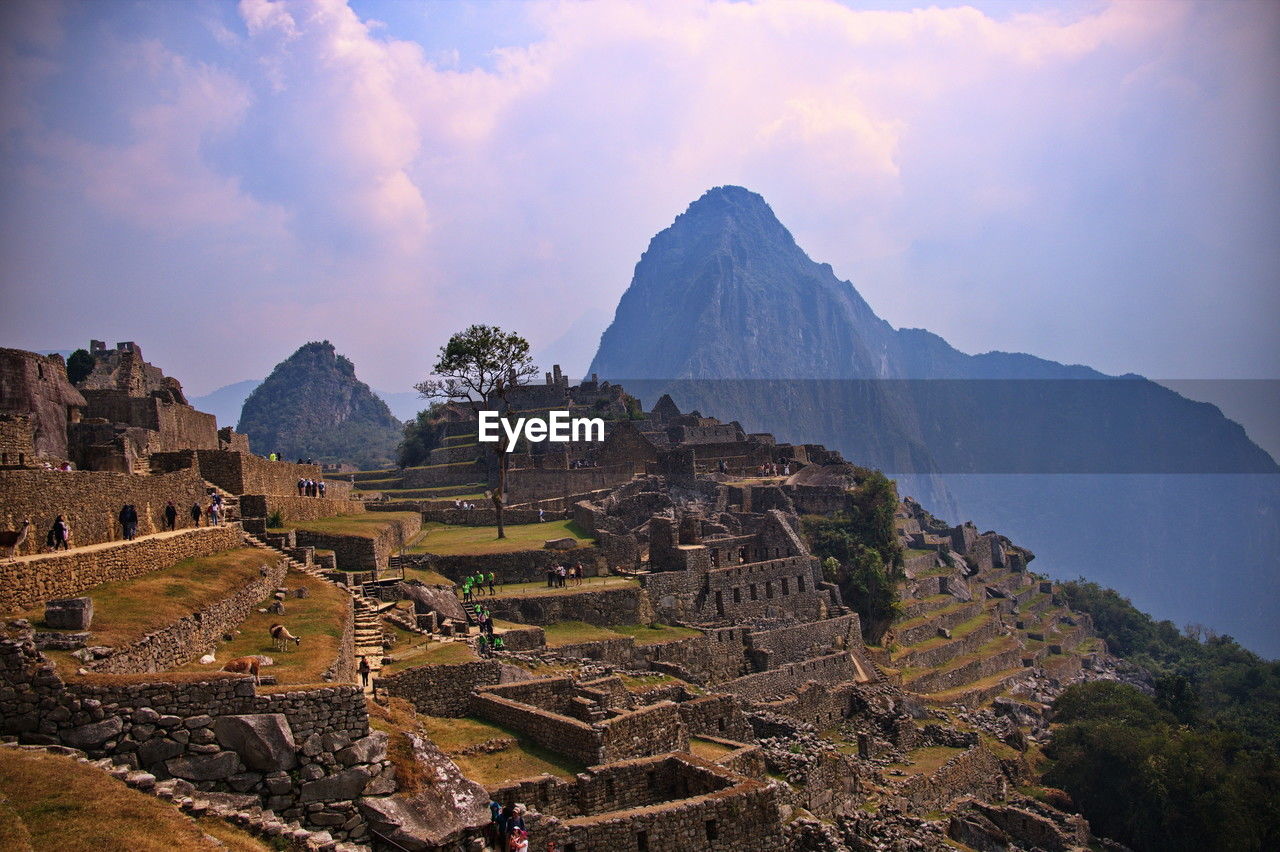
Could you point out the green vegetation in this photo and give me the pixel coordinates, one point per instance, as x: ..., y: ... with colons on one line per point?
x: 573, y: 632
x: 539, y: 588
x: 52, y: 802
x: 446, y: 540
x: 860, y: 552
x: 1200, y: 677
x: 1145, y: 778
x: 521, y: 758
x: 317, y: 620
x: 313, y: 406
x: 415, y: 650
x: 422, y: 434
x: 79, y: 366
x: 362, y: 524
x: 656, y: 634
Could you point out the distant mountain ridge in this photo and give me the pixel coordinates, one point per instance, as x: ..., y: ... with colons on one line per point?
x: 728, y: 314
x: 313, y: 406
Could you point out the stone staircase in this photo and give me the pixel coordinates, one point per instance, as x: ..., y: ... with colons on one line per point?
x: 230, y: 503
x: 366, y: 628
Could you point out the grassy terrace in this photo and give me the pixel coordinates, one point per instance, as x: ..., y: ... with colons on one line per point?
x: 538, y: 588
x: 317, y: 619
x: 446, y: 540
x: 52, y: 802
x: 927, y: 760
x: 707, y: 749
x: 656, y: 634
x: 931, y: 615
x: 522, y: 758
x: 126, y: 610
x: 958, y: 632
x: 364, y: 525
x: 994, y: 646
x: 571, y: 632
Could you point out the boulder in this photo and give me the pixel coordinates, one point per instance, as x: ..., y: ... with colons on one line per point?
x: 199, y: 767
x: 560, y: 543
x: 69, y: 614
x: 94, y: 733
x: 347, y: 784
x: 264, y: 741
x: 155, y: 750
x: 365, y: 750
x: 438, y: 815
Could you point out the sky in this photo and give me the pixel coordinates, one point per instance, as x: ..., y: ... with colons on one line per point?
x: 221, y: 182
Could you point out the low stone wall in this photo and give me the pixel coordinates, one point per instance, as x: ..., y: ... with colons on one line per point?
x: 718, y: 715
x: 66, y: 574
x: 445, y: 474
x: 929, y: 629
x: 195, y: 634
x: 618, y: 652
x: 245, y: 473
x: 483, y: 515
x: 441, y: 690
x: 718, y: 655
x: 786, y: 679
x: 978, y: 669
x: 571, y: 737
x: 820, y: 704
x: 306, y: 754
x: 91, y: 502
x: 626, y: 605
x: 360, y: 553
x: 746, y: 759
x: 938, y: 655
x: 977, y: 772
x: 525, y: 566
x: 295, y: 508
x: 344, y: 669
x: 802, y: 641
x: 654, y: 729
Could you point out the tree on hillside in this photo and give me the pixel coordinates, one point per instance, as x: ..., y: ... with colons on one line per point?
x: 79, y: 366
x: 479, y: 367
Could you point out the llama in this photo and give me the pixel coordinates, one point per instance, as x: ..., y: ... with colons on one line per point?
x: 244, y: 665
x: 11, y: 540
x: 281, y: 637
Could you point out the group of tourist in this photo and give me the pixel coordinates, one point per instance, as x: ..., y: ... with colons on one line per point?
x: 461, y: 504
x: 775, y: 469
x: 59, y: 536
x: 474, y: 584
x: 488, y: 644
x: 579, y: 463
x: 558, y: 576
x: 507, y: 827
x: 311, y: 488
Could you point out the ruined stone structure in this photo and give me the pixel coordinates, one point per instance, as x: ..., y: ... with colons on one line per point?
x: 39, y: 405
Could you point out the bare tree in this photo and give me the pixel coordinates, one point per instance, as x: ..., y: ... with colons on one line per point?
x: 480, y: 367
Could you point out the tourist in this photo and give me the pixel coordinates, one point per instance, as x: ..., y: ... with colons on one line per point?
x: 496, y: 822
x: 519, y: 840
x: 482, y: 645
x: 508, y: 814
x: 170, y: 515
x: 322, y: 488
x: 364, y: 670
x: 129, y: 521
x: 551, y: 576
x: 302, y: 483
x: 196, y: 512
x: 515, y: 827
x: 466, y: 590
x: 66, y: 467
x: 498, y: 644
x: 215, y: 515
x: 479, y: 582
x: 539, y: 515
x: 491, y: 590
x: 577, y: 574
x: 59, y: 534
x: 561, y: 573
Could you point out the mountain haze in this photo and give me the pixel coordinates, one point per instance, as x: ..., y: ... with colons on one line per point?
x: 1115, y: 478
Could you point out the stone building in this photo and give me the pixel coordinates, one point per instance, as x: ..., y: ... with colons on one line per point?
x: 39, y: 404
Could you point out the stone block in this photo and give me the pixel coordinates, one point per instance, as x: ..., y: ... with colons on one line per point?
x: 347, y: 784
x: 69, y: 613
x: 366, y: 750
x: 212, y: 767
x: 94, y: 733
x: 264, y: 741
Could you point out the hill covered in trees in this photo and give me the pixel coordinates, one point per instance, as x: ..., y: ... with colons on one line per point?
x: 313, y: 406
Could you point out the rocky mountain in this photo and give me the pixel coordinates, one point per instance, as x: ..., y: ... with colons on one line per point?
x: 1112, y: 477
x: 313, y: 406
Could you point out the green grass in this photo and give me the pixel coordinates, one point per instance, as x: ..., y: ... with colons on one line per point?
x: 539, y: 588
x: 927, y: 760
x: 656, y: 634
x: 317, y: 619
x: 447, y: 540
x: 363, y: 525
x: 573, y: 632
x: 524, y: 759
x: 125, y: 610
x: 413, y: 649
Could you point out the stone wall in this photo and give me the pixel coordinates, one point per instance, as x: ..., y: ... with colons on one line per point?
x: 361, y: 553
x: 66, y: 574
x: 976, y: 772
x: 654, y: 729
x: 542, y: 484
x: 985, y: 666
x: 768, y: 589
x: 195, y: 634
x: 717, y: 715
x: 306, y: 753
x: 441, y: 690
x: 244, y: 473
x: 17, y: 444
x: 91, y: 502
x: 573, y: 738
x: 483, y: 515
x: 718, y: 655
x: 294, y: 508
x: 628, y: 605
x: 788, y: 678
x: 37, y: 385
x: 801, y: 641
x: 522, y: 567
x: 446, y: 474
x: 617, y: 652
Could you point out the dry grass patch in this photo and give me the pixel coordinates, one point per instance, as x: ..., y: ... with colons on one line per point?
x: 362, y: 525
x: 318, y: 620
x: 928, y: 760
x: 707, y: 749
x: 539, y: 588
x: 126, y: 610
x: 447, y: 540
x: 573, y: 632
x: 523, y: 759
x: 71, y: 807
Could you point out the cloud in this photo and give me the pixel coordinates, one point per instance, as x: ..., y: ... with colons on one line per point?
x: 960, y: 168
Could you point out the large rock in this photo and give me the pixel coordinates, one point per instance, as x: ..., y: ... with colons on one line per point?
x: 155, y: 750
x: 94, y: 733
x: 365, y: 750
x: 347, y: 784
x: 69, y: 614
x: 447, y: 806
x: 560, y: 543
x: 264, y: 741
x: 199, y: 767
